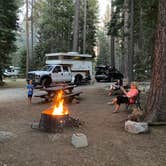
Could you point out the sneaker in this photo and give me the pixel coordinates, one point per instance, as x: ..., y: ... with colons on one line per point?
x: 110, y: 103
x: 114, y: 112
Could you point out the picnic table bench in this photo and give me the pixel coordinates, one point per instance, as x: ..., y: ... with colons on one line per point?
x: 45, y: 96
x: 71, y: 96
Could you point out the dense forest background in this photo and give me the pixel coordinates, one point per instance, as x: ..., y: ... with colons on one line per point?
x: 124, y: 38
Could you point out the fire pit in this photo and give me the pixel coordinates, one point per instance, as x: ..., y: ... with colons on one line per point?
x: 57, y: 117
x: 56, y: 123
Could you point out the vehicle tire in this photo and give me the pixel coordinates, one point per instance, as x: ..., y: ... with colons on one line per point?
x: 78, y: 80
x: 46, y: 82
x: 0, y: 79
x: 110, y: 79
x: 98, y: 80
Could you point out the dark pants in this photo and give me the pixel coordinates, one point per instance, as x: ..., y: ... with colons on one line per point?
x: 122, y: 99
x: 29, y: 96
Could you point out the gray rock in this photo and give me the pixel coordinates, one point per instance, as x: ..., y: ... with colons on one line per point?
x: 5, y: 136
x: 79, y: 140
x: 35, y: 125
x: 136, y: 127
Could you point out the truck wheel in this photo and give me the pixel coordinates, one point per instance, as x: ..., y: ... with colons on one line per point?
x: 98, y: 80
x: 78, y: 80
x: 110, y: 79
x: 46, y: 82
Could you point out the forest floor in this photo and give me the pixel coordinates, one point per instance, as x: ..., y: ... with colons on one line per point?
x: 109, y: 143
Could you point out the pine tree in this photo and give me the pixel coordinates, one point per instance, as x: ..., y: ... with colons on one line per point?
x: 8, y: 26
x: 53, y: 20
x: 145, y: 16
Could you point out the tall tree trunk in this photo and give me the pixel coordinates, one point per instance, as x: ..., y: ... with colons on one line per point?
x: 31, y: 60
x: 156, y: 103
x: 112, y: 51
x: 131, y: 50
x: 84, y: 31
x: 141, y: 39
x: 112, y: 43
x: 126, y: 38
x: 76, y: 25
x: 51, y: 5
x: 27, y: 39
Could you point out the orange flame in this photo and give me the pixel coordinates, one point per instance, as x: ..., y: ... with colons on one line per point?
x: 58, y: 108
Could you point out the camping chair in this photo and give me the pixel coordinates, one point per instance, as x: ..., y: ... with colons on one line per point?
x: 136, y: 102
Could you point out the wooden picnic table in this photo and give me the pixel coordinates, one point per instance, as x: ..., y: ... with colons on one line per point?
x: 49, y: 93
x: 58, y: 88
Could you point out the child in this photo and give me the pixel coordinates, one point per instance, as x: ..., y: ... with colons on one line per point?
x: 115, y: 86
x: 30, y: 91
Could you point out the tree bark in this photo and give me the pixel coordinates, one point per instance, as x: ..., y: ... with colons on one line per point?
x: 32, y: 22
x: 84, y: 31
x: 126, y: 38
x: 156, y: 102
x: 76, y: 25
x: 112, y: 51
x: 112, y: 42
x: 27, y: 39
x: 131, y: 50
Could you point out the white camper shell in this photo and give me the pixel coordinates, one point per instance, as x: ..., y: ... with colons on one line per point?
x: 81, y: 64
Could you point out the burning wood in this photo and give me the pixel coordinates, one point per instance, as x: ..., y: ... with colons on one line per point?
x: 58, y: 107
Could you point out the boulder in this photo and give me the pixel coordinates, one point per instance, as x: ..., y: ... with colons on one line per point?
x: 79, y: 140
x: 136, y: 127
x: 5, y: 136
x: 35, y: 125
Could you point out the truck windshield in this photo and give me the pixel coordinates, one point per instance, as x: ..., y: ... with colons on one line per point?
x: 47, y: 68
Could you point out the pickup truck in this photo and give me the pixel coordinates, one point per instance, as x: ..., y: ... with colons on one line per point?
x: 50, y: 74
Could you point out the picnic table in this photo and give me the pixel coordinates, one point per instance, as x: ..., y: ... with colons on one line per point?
x: 48, y: 94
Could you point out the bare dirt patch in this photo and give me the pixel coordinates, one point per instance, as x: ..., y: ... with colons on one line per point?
x: 109, y: 144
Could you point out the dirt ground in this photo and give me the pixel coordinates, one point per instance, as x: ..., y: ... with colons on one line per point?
x: 109, y: 143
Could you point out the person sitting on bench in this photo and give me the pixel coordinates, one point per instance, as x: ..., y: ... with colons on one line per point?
x: 115, y: 86
x: 128, y: 98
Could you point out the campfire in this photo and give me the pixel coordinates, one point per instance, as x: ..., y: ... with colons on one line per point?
x: 58, y: 106
x: 57, y: 117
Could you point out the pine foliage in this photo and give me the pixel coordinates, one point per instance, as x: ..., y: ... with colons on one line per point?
x: 145, y: 20
x: 8, y: 26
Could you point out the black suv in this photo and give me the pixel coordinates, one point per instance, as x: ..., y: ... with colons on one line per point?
x: 107, y: 73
